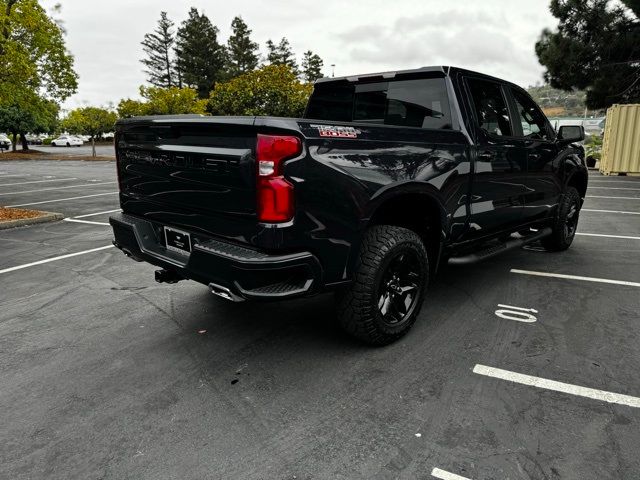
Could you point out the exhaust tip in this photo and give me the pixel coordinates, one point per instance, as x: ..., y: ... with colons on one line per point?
x: 225, y: 293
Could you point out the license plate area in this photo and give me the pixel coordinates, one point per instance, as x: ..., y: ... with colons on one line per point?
x: 177, y: 240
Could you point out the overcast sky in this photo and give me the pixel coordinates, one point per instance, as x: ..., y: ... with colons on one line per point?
x: 358, y: 36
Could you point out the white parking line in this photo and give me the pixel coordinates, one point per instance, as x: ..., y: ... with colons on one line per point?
x: 16, y: 175
x: 53, y: 259
x: 616, y: 188
x: 539, y: 382
x: 614, y: 181
x: 575, y: 277
x: 618, y: 198
x: 84, y: 221
x: 57, y: 188
x: 608, y: 236
x: 97, y: 213
x: 63, y: 199
x: 37, y: 181
x: 444, y: 475
x: 609, y: 211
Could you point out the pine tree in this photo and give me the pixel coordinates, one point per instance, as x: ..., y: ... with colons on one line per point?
x: 157, y: 45
x: 200, y: 59
x: 311, y: 67
x: 281, y: 54
x: 242, y: 52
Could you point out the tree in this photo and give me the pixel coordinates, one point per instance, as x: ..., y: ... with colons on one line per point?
x: 92, y: 121
x: 270, y: 90
x: 242, y: 52
x: 35, y: 67
x: 281, y: 54
x: 162, y: 101
x: 311, y: 67
x: 39, y: 116
x: 596, y: 48
x: 200, y: 59
x: 158, y: 45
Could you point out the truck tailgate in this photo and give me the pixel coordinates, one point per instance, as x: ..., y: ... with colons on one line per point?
x: 198, y: 175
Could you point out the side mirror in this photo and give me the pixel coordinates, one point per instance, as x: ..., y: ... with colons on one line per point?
x: 570, y: 133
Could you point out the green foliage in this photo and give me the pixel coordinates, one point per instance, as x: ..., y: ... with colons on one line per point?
x: 282, y: 54
x: 200, y: 59
x: 158, y: 46
x: 311, y: 67
x: 271, y: 90
x: 242, y: 52
x: 35, y: 116
x: 596, y: 48
x: 33, y: 54
x: 162, y: 101
x: 36, y: 70
x: 92, y: 121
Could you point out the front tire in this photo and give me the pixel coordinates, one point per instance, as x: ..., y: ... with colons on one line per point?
x: 390, y: 279
x: 566, y: 222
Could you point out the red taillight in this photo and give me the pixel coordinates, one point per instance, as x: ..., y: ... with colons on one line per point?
x: 275, y: 193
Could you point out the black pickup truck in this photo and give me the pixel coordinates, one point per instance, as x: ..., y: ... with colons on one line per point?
x: 385, y: 178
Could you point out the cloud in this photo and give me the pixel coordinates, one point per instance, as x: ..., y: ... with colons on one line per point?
x: 360, y: 36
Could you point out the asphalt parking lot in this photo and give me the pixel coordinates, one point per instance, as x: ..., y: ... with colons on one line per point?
x: 521, y: 367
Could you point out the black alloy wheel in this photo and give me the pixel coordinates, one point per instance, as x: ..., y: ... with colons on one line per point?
x: 398, y: 290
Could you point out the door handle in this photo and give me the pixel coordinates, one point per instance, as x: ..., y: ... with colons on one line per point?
x: 485, y: 156
x: 534, y: 156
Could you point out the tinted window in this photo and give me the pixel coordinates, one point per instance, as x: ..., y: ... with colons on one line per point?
x: 532, y: 119
x: 331, y: 102
x: 413, y: 103
x: 490, y: 106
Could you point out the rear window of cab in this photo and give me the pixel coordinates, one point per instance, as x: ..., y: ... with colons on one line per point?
x: 421, y: 103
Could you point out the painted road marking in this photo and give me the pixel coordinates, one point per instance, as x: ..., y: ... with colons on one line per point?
x: 53, y: 259
x: 626, y: 237
x: 618, y: 198
x: 63, y: 199
x: 617, y: 188
x: 444, y: 475
x: 519, y: 314
x: 84, y: 221
x: 57, y: 188
x: 539, y: 382
x: 615, y: 181
x: 4, y: 175
x: 608, y: 211
x: 37, y: 181
x: 575, y: 277
x: 97, y: 213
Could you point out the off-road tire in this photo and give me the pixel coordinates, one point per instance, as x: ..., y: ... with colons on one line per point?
x: 358, y: 310
x: 562, y: 235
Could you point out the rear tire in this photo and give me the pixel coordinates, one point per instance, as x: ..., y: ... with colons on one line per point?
x: 390, y: 279
x: 566, y: 222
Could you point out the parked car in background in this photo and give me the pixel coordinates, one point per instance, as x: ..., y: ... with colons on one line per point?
x: 34, y: 139
x: 67, y: 141
x: 5, y: 142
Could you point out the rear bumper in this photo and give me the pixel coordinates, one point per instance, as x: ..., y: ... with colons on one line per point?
x: 231, y: 271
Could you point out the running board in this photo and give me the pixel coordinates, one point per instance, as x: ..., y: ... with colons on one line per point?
x: 498, y: 249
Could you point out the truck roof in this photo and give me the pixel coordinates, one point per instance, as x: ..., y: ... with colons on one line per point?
x: 443, y: 69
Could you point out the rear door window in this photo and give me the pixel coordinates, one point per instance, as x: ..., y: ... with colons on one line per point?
x: 421, y: 103
x: 490, y: 107
x: 533, y: 121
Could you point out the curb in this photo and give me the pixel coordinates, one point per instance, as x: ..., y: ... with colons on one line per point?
x: 45, y: 218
